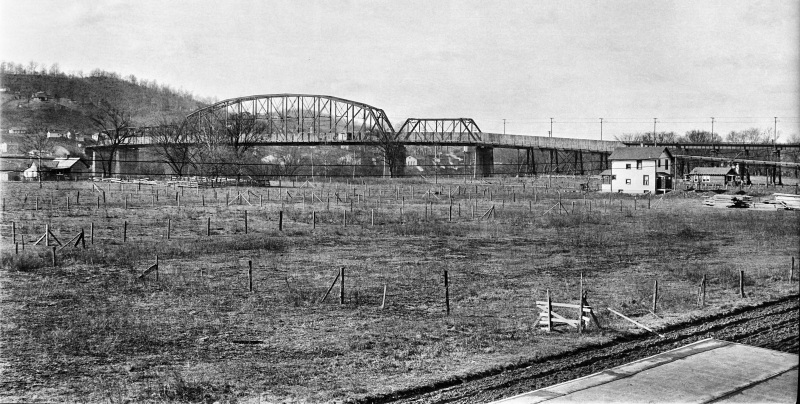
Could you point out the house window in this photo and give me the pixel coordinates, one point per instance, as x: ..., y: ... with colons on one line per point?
x: 628, y: 181
x: 627, y: 166
x: 638, y: 164
x: 659, y: 163
x: 666, y: 164
x: 646, y: 180
x: 613, y: 177
x: 706, y: 178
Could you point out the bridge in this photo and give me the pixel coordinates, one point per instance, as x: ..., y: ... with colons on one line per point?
x: 321, y: 120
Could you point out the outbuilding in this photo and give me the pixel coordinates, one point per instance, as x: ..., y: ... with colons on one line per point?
x: 713, y: 176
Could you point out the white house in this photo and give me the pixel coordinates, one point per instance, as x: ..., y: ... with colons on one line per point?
x: 641, y: 170
x: 411, y: 161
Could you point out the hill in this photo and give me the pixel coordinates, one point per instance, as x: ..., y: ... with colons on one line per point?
x: 63, y: 102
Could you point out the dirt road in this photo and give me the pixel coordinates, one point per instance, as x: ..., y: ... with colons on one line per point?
x: 771, y: 325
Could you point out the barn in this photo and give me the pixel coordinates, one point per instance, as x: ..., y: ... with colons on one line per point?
x: 713, y: 176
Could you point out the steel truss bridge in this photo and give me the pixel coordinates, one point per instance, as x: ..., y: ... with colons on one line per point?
x: 312, y: 120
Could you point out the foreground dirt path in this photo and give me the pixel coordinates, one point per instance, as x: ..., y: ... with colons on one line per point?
x: 771, y: 325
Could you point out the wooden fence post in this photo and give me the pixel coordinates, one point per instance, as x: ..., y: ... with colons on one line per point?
x: 208, y: 226
x: 383, y: 301
x: 91, y: 232
x: 54, y: 256
x: 446, y: 293
x: 791, y: 271
x: 245, y: 222
x: 169, y: 227
x: 124, y: 231
x: 549, y: 313
x: 14, y: 238
x: 372, y: 217
x: 703, y: 291
x: 250, y: 275
x: 341, y: 285
x: 280, y: 220
x: 741, y: 284
x: 156, y: 268
x: 655, y: 295
x: 580, y: 306
x: 344, y: 217
x: 314, y: 219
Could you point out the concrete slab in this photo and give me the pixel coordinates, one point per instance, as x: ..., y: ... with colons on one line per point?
x: 701, y: 372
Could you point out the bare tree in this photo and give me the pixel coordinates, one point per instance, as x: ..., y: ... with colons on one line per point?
x: 394, y: 153
x: 173, y: 147
x: 36, y: 141
x: 700, y: 136
x: 752, y: 135
x: 115, y: 125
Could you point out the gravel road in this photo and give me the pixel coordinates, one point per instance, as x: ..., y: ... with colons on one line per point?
x: 772, y: 325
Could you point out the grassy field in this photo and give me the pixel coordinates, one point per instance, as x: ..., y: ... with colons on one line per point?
x: 90, y: 330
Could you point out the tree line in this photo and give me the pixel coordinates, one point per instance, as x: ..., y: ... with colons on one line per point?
x: 751, y: 135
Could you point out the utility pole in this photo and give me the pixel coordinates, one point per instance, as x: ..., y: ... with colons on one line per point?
x: 776, y: 132
x: 504, y: 126
x: 654, y: 132
x: 601, y: 128
x: 551, y: 127
x: 712, y: 129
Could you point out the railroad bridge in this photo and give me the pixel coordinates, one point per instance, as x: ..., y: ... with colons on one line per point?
x: 318, y: 120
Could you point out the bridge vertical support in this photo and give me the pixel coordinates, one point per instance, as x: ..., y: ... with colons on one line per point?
x: 399, y: 169
x: 530, y: 161
x: 579, y: 161
x: 484, y: 160
x: 93, y: 169
x: 779, y: 168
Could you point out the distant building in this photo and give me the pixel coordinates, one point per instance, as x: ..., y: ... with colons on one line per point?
x: 72, y: 168
x: 411, y: 161
x: 605, y: 181
x: 713, y: 176
x: 17, y: 131
x: 4, y: 147
x: 641, y: 170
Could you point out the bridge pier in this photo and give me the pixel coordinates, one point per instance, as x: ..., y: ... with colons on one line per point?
x: 530, y: 161
x: 399, y: 169
x: 484, y: 161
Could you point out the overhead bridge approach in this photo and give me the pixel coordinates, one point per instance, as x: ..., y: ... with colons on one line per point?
x: 318, y: 120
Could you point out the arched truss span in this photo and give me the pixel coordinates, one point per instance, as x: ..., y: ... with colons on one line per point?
x: 445, y: 130
x: 294, y: 117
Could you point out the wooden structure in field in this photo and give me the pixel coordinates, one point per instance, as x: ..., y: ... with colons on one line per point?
x: 548, y: 319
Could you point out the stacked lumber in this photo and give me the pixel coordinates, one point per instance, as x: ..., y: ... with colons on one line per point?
x: 789, y: 201
x: 729, y: 201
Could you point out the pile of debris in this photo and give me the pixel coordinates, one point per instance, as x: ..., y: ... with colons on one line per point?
x: 729, y: 201
x: 789, y: 201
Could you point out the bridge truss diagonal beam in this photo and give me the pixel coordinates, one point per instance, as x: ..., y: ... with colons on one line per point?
x: 439, y: 130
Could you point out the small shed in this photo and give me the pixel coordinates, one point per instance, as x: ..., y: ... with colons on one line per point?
x: 713, y: 175
x: 605, y: 180
x: 70, y: 168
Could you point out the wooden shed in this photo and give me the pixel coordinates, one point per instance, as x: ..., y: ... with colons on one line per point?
x: 713, y: 175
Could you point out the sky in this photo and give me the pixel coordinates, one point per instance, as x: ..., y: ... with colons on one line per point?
x: 681, y: 62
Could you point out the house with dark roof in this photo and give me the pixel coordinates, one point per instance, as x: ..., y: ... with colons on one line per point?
x: 701, y: 176
x: 71, y: 168
x: 638, y: 170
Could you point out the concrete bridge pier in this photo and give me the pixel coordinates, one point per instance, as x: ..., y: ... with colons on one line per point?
x: 484, y: 161
x: 399, y: 168
x: 126, y: 162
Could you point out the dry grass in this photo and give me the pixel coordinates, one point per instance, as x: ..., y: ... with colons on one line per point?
x: 90, y: 330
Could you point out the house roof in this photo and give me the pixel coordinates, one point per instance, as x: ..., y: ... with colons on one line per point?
x: 638, y: 153
x: 605, y: 172
x: 63, y: 163
x: 713, y: 171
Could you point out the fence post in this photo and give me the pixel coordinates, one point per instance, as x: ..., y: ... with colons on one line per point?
x: 383, y: 301
x: 156, y: 268
x: 344, y: 217
x: 549, y: 312
x: 169, y: 227
x: 280, y: 220
x: 791, y: 271
x: 14, y: 237
x: 314, y: 219
x: 91, y: 231
x: 124, y: 231
x: 250, y: 275
x: 703, y: 291
x: 245, y: 222
x: 741, y: 284
x: 208, y: 226
x: 446, y: 293
x: 54, y: 256
x: 655, y: 295
x: 372, y: 217
x: 580, y: 306
x: 341, y: 285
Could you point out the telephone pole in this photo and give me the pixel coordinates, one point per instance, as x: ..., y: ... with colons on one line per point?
x: 504, y: 126
x: 654, y: 132
x: 551, y: 127
x: 601, y: 128
x: 776, y: 132
x: 712, y: 129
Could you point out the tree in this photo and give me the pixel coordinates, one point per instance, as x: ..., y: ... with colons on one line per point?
x: 394, y: 153
x: 700, y: 136
x: 752, y: 135
x: 647, y: 137
x: 115, y: 125
x: 36, y: 141
x: 173, y: 146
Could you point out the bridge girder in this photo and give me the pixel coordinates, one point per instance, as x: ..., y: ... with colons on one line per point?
x: 435, y: 130
x: 293, y: 117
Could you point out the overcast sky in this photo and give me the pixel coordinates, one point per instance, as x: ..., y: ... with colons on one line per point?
x: 524, y: 61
